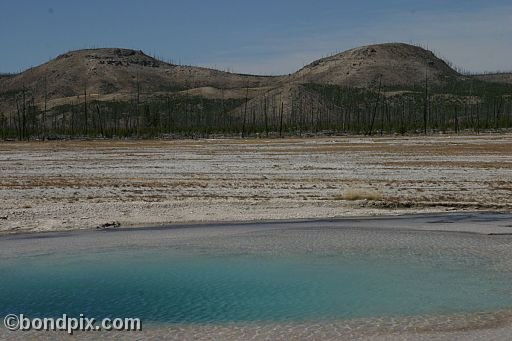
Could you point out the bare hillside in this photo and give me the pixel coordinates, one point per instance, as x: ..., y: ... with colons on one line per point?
x: 118, y: 71
x: 396, y: 63
x: 274, y: 105
x: 505, y: 77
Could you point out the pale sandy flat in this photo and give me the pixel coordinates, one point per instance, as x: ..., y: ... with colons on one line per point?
x: 70, y: 185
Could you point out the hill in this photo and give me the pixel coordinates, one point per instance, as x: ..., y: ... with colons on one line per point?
x: 502, y: 77
x: 392, y: 87
x: 117, y: 73
x: 120, y: 73
x: 394, y: 63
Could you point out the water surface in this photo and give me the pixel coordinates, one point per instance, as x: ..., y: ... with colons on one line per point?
x: 210, y: 283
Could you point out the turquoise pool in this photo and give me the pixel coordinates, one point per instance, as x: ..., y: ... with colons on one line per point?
x: 191, y: 284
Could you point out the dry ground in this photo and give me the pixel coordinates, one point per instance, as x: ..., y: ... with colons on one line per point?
x: 82, y: 184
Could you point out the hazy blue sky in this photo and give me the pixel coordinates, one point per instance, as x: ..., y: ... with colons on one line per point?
x: 258, y: 36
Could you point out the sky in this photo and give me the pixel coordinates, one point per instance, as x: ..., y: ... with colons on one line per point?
x: 256, y: 36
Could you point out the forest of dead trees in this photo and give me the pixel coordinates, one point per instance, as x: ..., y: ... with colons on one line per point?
x: 310, y: 109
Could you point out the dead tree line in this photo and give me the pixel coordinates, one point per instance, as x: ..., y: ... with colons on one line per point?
x: 309, y: 109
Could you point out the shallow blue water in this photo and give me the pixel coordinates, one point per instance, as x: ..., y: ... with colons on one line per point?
x: 167, y: 285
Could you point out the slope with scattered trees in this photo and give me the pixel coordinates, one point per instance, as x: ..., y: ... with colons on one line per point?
x: 377, y: 89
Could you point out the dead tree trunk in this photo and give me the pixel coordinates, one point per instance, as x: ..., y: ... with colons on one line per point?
x: 375, y: 108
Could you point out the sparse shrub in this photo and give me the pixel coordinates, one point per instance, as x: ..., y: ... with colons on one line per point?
x: 360, y: 194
